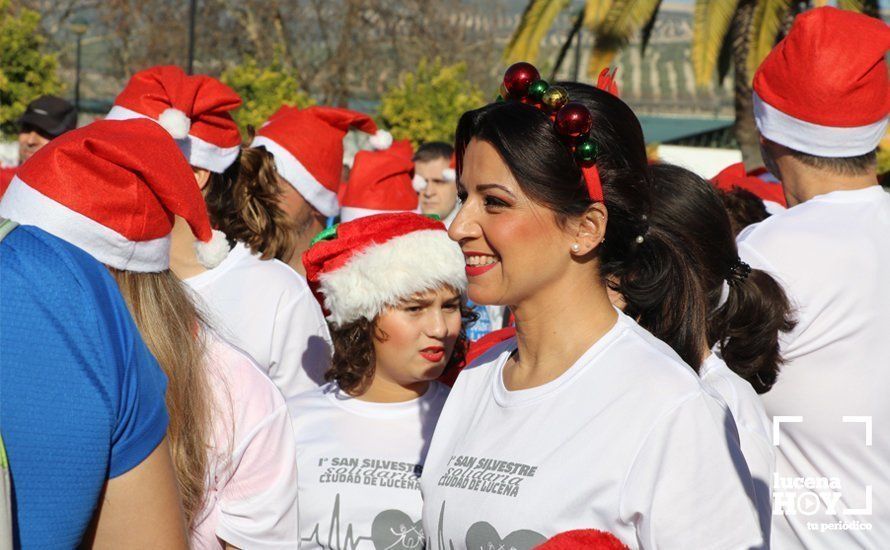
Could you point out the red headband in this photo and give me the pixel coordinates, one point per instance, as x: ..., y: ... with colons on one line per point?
x: 572, y: 120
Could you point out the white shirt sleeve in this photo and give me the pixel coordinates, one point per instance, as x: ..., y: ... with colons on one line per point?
x: 301, y: 347
x: 689, y: 486
x: 258, y: 505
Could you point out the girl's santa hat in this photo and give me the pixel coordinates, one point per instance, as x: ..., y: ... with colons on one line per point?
x: 112, y: 188
x: 357, y: 269
x: 380, y: 182
x: 823, y: 90
x: 588, y: 539
x: 769, y: 191
x: 194, y: 109
x: 308, y: 148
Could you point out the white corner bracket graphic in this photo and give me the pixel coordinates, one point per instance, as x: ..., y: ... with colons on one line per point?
x: 864, y: 420
x: 778, y: 421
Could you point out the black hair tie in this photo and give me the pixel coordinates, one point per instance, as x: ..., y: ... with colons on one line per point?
x: 738, y: 272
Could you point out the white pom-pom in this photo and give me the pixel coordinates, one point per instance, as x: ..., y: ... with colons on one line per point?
x: 449, y: 174
x: 418, y: 182
x: 381, y: 140
x: 213, y: 252
x: 175, y: 122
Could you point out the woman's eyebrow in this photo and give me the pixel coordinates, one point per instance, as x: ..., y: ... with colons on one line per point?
x: 486, y: 186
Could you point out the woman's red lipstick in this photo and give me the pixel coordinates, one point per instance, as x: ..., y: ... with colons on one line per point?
x: 476, y: 270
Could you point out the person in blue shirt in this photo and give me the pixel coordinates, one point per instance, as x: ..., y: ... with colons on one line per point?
x: 82, y: 409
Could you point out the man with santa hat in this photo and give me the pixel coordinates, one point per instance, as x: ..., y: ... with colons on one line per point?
x: 821, y: 100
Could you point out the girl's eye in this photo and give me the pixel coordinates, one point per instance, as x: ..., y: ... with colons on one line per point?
x: 452, y: 306
x: 413, y: 309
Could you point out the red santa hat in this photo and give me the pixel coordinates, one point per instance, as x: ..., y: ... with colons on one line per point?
x: 402, y: 148
x: 588, y: 539
x: 357, y: 269
x: 823, y: 90
x: 734, y: 176
x: 194, y: 109
x: 112, y: 188
x: 308, y: 148
x: 380, y: 182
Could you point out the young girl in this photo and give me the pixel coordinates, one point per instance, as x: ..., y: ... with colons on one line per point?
x: 391, y: 285
x: 254, y: 300
x: 584, y: 420
x: 229, y: 432
x: 723, y: 305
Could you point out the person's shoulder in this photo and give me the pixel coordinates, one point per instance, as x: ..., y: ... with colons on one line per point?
x: 652, y: 365
x: 238, y: 375
x: 54, y: 262
x: 272, y: 276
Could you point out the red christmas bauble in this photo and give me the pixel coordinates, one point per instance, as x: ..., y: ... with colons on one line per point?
x: 573, y: 120
x: 519, y: 77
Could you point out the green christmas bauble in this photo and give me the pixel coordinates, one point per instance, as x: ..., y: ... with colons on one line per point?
x: 586, y: 151
x: 537, y: 89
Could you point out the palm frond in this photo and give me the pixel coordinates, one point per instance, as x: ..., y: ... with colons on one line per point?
x: 769, y: 16
x: 625, y: 17
x: 595, y: 12
x: 710, y: 26
x: 820, y: 3
x: 868, y: 7
x: 536, y: 21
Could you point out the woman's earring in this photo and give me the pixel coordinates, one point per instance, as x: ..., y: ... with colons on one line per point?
x: 576, y: 248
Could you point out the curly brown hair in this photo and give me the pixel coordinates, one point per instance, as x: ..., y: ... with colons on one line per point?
x: 354, y: 361
x: 243, y: 203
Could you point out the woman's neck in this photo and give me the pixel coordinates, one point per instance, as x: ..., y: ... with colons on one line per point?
x: 183, y: 257
x: 382, y: 390
x: 555, y: 327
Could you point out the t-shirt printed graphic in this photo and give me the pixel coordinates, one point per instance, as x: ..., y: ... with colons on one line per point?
x: 627, y: 440
x: 359, y: 466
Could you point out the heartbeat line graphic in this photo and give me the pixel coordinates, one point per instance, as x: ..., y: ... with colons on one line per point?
x: 440, y: 534
x: 349, y: 541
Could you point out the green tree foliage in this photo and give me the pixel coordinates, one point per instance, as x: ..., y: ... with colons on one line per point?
x: 264, y: 89
x: 424, y: 105
x: 26, y: 72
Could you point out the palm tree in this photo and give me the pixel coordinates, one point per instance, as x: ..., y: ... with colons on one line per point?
x: 727, y: 35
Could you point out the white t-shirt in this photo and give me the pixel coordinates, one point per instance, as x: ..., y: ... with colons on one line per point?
x: 753, y: 427
x: 627, y: 441
x: 266, y: 308
x: 359, y: 464
x: 832, y: 254
x: 251, y: 499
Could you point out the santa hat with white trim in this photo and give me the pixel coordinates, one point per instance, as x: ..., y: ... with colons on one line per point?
x: 380, y: 182
x: 357, y: 269
x: 308, y: 148
x: 823, y: 90
x: 113, y: 188
x: 194, y: 109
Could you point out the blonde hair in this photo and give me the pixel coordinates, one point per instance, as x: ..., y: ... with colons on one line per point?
x: 170, y: 325
x: 243, y: 202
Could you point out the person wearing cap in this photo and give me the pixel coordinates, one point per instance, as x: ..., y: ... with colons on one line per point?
x: 307, y: 145
x: 748, y: 198
x: 233, y: 453
x: 260, y: 304
x: 391, y: 286
x: 433, y: 162
x: 380, y: 182
x: 821, y: 100
x: 45, y: 119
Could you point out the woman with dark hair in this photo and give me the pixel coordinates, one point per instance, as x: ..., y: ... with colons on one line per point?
x: 391, y: 285
x: 732, y: 309
x: 584, y: 420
